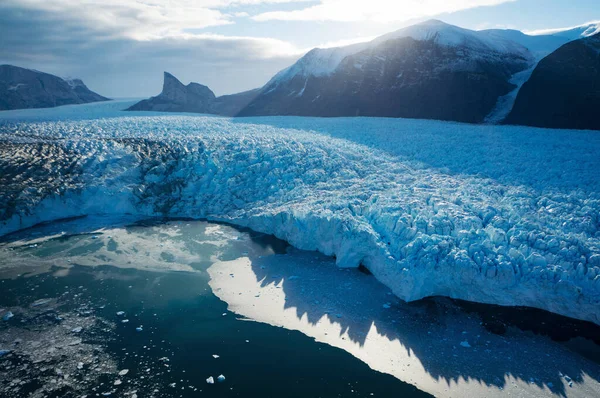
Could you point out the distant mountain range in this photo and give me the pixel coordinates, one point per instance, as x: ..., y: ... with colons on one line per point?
x: 431, y: 70
x: 25, y: 88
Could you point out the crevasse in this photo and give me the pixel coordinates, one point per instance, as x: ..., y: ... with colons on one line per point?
x: 447, y: 226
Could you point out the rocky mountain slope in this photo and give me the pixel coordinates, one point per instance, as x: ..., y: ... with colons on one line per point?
x: 175, y: 97
x: 431, y: 71
x: 564, y: 89
x: 24, y: 88
x: 195, y: 98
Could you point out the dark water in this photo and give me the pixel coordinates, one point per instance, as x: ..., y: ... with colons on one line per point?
x: 184, y: 324
x: 79, y: 273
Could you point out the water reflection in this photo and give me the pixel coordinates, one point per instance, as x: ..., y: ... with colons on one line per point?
x: 124, y: 269
x: 436, y: 345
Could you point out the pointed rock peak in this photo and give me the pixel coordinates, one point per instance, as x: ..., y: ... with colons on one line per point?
x: 171, y: 82
x: 173, y: 88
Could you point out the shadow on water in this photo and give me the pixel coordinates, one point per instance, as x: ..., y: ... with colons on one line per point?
x: 504, y: 342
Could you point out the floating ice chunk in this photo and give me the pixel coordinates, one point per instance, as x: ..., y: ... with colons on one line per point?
x: 79, y: 365
x: 7, y: 316
x: 117, y: 382
x: 139, y: 328
x: 387, y: 306
x: 40, y: 302
x: 120, y: 313
x: 221, y: 378
x: 4, y: 352
x: 78, y: 329
x: 215, y: 356
x: 123, y: 372
x: 125, y: 321
x: 465, y: 344
x: 210, y: 380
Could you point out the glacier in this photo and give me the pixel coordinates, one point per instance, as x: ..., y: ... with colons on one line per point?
x: 494, y: 214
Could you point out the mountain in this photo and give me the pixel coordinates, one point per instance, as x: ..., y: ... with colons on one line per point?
x: 25, y: 88
x: 538, y: 45
x: 175, y: 97
x: 564, y: 89
x: 431, y: 70
x: 577, y: 32
x: 195, y: 98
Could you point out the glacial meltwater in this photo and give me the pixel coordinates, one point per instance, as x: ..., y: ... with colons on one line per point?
x: 125, y: 310
x: 123, y: 307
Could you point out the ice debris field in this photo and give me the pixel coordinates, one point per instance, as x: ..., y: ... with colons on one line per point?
x: 504, y: 215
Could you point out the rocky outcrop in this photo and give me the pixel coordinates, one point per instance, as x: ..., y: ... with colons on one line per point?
x: 25, y: 88
x: 564, y: 89
x: 175, y: 97
x: 194, y: 98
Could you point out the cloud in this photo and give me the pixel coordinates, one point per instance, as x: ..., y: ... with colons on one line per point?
x: 140, y: 19
x: 374, y: 10
x: 119, y: 65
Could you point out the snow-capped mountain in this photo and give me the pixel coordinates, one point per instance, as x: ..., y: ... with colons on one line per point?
x: 453, y: 36
x: 320, y: 62
x: 542, y: 43
x: 538, y: 45
x: 564, y: 89
x: 573, y: 33
x: 27, y: 88
x: 431, y: 70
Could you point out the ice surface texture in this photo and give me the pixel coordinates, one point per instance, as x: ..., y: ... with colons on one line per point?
x: 504, y: 215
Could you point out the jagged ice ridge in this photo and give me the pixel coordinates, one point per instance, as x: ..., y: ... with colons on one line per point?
x: 504, y: 215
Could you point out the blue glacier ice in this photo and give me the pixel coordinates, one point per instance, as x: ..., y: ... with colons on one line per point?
x: 503, y: 215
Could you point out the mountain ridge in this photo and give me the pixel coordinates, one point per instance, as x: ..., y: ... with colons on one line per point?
x: 22, y: 88
x: 431, y: 70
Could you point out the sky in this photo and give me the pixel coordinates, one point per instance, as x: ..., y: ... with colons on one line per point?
x: 121, y: 47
